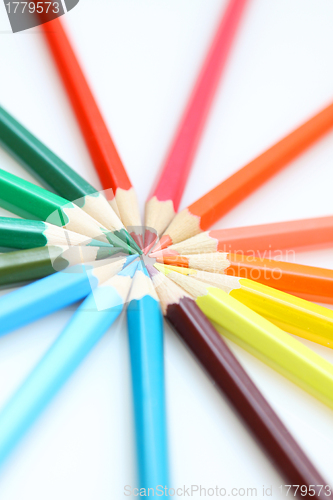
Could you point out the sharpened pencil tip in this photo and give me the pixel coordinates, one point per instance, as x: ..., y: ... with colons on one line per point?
x: 97, y: 243
x: 163, y: 253
x: 138, y: 240
x: 151, y: 270
x: 150, y: 239
x: 164, y: 242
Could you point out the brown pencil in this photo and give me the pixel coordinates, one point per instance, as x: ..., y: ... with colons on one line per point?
x: 230, y: 378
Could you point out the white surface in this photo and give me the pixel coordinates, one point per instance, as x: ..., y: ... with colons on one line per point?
x: 141, y: 57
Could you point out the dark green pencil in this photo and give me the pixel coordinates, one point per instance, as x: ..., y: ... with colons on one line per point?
x: 27, y: 265
x: 57, y: 176
x: 23, y: 233
x: 30, y: 201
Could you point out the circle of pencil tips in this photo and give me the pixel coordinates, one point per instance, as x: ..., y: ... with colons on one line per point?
x: 74, y: 243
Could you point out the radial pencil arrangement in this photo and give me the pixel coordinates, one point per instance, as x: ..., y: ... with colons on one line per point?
x: 73, y: 243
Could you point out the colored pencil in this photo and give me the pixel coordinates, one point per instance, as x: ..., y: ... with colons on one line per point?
x: 261, y: 338
x: 310, y: 283
x: 145, y: 333
x: 291, y: 314
x: 203, y: 213
x: 261, y: 239
x: 102, y: 150
x: 163, y: 201
x: 57, y: 176
x: 35, y: 263
x: 92, y: 319
x: 229, y: 377
x: 45, y: 296
x: 23, y: 234
x: 30, y: 201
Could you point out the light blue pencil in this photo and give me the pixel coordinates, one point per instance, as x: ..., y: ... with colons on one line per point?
x: 145, y: 331
x: 92, y: 319
x: 54, y: 292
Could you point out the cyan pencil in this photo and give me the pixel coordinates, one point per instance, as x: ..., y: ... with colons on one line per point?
x: 92, y: 319
x: 145, y: 332
x: 54, y: 292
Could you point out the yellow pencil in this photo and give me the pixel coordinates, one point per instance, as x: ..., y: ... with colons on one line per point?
x: 261, y: 338
x: 292, y: 314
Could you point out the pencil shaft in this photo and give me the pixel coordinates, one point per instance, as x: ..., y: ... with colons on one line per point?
x: 292, y: 314
x: 308, y: 282
x: 101, y: 147
x: 298, y: 235
x: 176, y: 168
x: 232, y: 380
x: 145, y: 330
x: 270, y: 344
x: 19, y: 233
x: 34, y: 301
x: 212, y: 206
x: 54, y: 173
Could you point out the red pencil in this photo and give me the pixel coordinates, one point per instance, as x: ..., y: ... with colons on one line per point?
x: 164, y: 199
x: 102, y: 150
x: 264, y: 239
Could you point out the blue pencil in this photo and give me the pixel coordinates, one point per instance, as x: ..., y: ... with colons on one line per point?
x: 54, y: 292
x: 145, y: 331
x: 92, y: 319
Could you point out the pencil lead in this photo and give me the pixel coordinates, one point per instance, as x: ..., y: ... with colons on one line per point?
x: 152, y: 272
x: 164, y: 242
x: 163, y: 253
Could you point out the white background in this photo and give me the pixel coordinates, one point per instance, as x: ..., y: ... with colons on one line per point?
x: 141, y: 57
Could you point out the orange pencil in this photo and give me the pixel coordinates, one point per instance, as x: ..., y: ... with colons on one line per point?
x: 310, y: 283
x: 111, y: 171
x: 265, y: 240
x: 208, y: 209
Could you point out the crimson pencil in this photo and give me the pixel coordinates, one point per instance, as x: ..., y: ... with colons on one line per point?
x: 297, y: 235
x: 164, y: 199
x: 102, y: 150
x: 229, y: 377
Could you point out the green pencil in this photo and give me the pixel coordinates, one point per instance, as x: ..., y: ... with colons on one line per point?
x: 29, y: 201
x: 34, y: 263
x: 23, y: 233
x: 57, y: 176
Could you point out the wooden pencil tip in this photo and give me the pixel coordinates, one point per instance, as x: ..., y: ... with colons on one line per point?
x: 150, y: 240
x: 164, y: 242
x: 151, y: 270
x: 163, y: 253
x: 138, y: 240
x: 162, y: 269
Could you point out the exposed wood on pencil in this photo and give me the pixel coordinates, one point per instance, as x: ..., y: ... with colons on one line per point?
x: 308, y: 282
x: 264, y: 239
